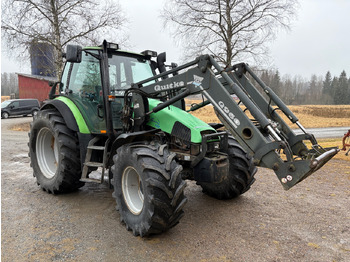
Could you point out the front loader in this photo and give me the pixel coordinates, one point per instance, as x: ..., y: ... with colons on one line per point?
x: 125, y: 113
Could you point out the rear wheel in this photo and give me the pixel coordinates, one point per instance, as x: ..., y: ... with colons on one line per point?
x: 240, y: 178
x: 34, y: 112
x: 148, y: 188
x: 54, y: 153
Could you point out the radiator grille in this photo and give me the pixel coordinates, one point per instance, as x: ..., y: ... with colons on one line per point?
x: 181, y: 131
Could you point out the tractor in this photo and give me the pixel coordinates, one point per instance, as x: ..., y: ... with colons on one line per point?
x: 125, y: 113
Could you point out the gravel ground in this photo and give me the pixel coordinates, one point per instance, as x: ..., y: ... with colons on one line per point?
x: 310, y: 222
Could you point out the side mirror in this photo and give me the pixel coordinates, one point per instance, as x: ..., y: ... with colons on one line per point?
x: 74, y: 53
x: 161, y: 58
x: 173, y: 66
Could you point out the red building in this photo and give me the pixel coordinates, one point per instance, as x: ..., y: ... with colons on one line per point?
x: 34, y: 86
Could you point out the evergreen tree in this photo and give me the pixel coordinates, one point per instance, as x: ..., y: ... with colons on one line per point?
x: 312, y: 94
x: 342, y: 93
x: 276, y: 83
x: 288, y: 94
x: 327, y: 91
x: 327, y: 84
x: 337, y: 92
x: 265, y: 77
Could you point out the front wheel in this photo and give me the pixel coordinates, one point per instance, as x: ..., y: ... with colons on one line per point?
x: 148, y: 188
x: 240, y: 178
x: 5, y: 115
x: 54, y: 153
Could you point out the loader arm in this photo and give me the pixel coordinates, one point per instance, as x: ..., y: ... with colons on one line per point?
x: 267, y: 137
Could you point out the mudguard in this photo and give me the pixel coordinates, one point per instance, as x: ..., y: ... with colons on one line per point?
x: 70, y: 114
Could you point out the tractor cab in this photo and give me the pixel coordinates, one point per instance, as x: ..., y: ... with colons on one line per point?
x: 87, y: 81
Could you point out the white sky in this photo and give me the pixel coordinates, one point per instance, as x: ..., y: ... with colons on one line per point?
x: 319, y: 40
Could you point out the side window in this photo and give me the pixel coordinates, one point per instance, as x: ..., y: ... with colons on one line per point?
x: 33, y: 103
x: 15, y: 104
x: 65, y: 75
x: 24, y: 103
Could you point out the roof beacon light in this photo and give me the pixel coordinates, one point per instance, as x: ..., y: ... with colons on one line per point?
x: 113, y: 46
x: 149, y: 53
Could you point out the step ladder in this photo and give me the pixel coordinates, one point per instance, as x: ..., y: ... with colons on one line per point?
x: 92, y: 146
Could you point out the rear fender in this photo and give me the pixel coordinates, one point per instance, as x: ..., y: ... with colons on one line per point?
x: 74, y: 121
x: 70, y: 114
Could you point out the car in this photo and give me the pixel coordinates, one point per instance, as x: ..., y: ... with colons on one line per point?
x: 16, y: 107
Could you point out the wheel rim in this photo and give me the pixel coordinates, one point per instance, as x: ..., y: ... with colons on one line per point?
x: 35, y: 113
x: 47, y: 152
x: 5, y: 115
x: 132, y: 190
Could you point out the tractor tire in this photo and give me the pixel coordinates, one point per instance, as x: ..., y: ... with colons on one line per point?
x: 54, y: 153
x: 240, y: 178
x: 149, y: 190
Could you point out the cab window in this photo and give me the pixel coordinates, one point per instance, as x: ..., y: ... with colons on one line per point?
x: 85, y: 78
x: 125, y: 70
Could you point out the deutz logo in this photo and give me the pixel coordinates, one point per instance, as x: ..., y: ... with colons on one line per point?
x: 169, y: 86
x: 197, y: 80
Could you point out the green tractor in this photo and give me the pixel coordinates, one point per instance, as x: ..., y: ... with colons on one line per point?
x: 125, y: 113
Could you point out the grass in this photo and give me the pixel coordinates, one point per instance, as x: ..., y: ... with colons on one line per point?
x: 21, y: 127
x: 310, y: 116
x: 332, y: 142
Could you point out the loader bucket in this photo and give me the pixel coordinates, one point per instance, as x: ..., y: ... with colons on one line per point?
x: 298, y: 170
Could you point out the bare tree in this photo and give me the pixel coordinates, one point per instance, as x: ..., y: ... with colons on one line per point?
x: 9, y: 84
x: 227, y: 29
x: 59, y: 22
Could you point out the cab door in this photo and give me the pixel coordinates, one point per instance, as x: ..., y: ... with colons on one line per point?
x: 82, y: 84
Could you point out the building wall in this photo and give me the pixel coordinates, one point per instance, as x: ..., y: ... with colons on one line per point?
x: 33, y: 88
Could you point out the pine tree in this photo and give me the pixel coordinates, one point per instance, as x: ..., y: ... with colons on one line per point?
x: 265, y: 77
x: 342, y: 93
x: 341, y: 90
x: 327, y: 84
x: 335, y: 87
x: 276, y: 83
x: 327, y: 92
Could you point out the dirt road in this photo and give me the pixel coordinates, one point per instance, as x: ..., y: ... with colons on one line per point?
x: 311, y: 222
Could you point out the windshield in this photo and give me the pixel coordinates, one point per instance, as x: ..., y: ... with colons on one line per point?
x: 125, y: 70
x: 5, y: 103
